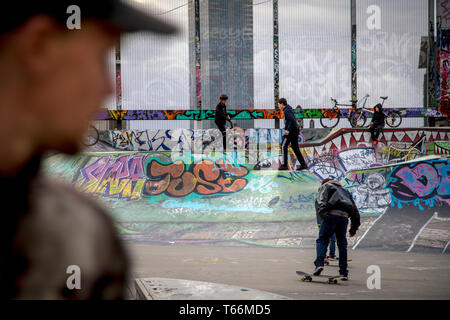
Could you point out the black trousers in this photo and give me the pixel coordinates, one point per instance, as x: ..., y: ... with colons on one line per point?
x: 292, y: 139
x: 223, y: 130
x: 375, y: 131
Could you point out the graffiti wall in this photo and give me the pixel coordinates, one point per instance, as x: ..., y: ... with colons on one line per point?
x: 156, y: 196
x: 160, y: 187
x: 244, y: 114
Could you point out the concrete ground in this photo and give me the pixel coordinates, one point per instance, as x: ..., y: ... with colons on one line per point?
x: 403, y: 275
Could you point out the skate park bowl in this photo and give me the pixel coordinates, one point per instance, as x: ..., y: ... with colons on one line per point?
x: 160, y: 188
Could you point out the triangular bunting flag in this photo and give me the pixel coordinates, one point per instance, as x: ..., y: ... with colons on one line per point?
x: 406, y: 138
x: 413, y: 135
x: 388, y: 136
x: 366, y: 137
x: 327, y: 147
x: 357, y: 136
x: 434, y: 134
x: 427, y: 135
x: 337, y: 143
x: 347, y: 138
x: 399, y: 135
x: 438, y: 136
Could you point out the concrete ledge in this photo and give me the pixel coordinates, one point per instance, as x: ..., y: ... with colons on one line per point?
x: 178, y: 289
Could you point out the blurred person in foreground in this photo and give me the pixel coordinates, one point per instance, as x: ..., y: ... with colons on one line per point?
x: 53, y: 80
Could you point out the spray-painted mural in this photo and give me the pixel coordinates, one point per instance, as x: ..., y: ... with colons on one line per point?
x: 421, y: 183
x: 244, y: 114
x: 211, y: 196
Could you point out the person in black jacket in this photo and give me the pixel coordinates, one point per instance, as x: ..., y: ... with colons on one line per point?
x: 222, y: 117
x: 335, y: 205
x: 290, y: 136
x: 377, y: 124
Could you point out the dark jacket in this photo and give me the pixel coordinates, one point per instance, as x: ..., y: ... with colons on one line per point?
x: 221, y: 114
x: 51, y: 227
x: 289, y: 119
x: 378, y: 117
x: 332, y: 196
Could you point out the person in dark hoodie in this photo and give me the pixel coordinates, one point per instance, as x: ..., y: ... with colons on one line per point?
x: 222, y: 117
x: 377, y: 124
x: 290, y: 136
x: 335, y: 206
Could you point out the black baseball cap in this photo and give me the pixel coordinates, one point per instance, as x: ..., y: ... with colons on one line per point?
x: 117, y: 13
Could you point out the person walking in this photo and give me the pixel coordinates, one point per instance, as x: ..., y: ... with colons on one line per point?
x: 290, y: 136
x: 377, y: 124
x: 335, y: 205
x: 222, y: 117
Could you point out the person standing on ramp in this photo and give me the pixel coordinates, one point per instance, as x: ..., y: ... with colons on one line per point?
x: 290, y: 136
x: 222, y: 117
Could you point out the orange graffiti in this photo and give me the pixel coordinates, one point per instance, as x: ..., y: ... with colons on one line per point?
x: 204, y: 178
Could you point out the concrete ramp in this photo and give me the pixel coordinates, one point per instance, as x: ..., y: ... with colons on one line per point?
x: 178, y: 289
x: 396, y: 229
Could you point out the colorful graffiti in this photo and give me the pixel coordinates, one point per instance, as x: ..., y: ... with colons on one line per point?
x: 121, y: 178
x: 392, y: 154
x: 420, y: 183
x: 357, y: 158
x: 244, y: 114
x: 204, y: 178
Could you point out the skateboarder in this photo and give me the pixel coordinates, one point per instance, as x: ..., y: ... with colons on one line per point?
x: 377, y: 124
x: 335, y: 205
x: 332, y: 247
x: 290, y: 136
x: 222, y: 117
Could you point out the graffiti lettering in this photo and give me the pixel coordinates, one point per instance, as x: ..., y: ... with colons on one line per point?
x: 121, y: 178
x: 420, y: 183
x: 204, y: 178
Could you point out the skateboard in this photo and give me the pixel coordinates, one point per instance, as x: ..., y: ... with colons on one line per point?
x: 328, y: 262
x: 309, y: 277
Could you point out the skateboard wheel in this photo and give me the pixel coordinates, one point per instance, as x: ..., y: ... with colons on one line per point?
x: 309, y: 279
x: 335, y: 281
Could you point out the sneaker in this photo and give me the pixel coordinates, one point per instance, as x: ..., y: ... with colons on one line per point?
x: 300, y: 168
x: 317, y: 271
x: 344, y: 278
x: 283, y: 167
x: 375, y: 142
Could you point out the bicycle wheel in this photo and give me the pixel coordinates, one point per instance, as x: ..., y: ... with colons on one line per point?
x: 358, y: 119
x: 393, y: 119
x: 329, y: 118
x: 91, y: 137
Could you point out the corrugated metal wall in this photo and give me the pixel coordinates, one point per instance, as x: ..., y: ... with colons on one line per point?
x: 315, y: 56
x: 155, y: 69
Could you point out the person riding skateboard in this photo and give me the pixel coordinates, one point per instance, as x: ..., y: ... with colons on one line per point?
x: 290, y: 136
x: 377, y: 124
x: 335, y: 205
x: 222, y: 117
x: 332, y: 246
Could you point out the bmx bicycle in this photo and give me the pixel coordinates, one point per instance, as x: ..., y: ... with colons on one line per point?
x: 357, y: 117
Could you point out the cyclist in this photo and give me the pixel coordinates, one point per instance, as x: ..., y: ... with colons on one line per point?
x: 377, y: 124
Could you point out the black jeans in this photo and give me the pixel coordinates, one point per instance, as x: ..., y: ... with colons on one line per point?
x: 292, y: 139
x: 375, y: 131
x: 333, y: 224
x: 223, y: 130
